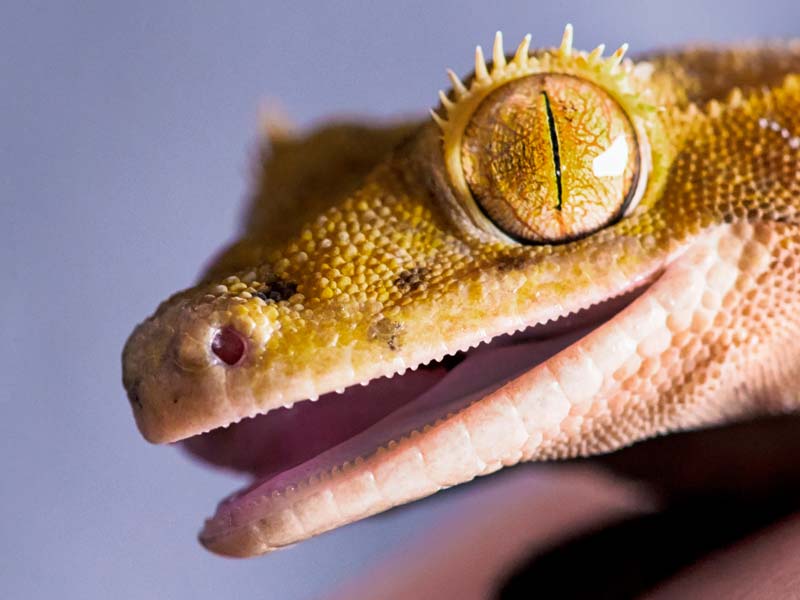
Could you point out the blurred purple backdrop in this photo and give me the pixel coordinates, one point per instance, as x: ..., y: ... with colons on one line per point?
x: 127, y: 131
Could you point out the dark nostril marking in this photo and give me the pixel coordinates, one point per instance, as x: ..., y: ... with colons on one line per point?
x: 228, y: 345
x: 277, y: 290
x: 133, y: 397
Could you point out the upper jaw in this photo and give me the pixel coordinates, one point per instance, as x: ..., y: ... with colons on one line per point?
x: 271, y: 444
x: 178, y: 390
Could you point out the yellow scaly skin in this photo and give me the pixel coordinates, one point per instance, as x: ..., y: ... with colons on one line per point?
x: 392, y: 271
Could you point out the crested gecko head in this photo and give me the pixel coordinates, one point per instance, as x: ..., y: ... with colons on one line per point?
x: 431, y: 271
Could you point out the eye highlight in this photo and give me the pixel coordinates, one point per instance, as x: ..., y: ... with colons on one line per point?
x: 546, y: 148
x: 550, y: 158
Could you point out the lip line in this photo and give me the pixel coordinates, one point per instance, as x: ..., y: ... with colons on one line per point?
x: 543, y: 332
x: 295, y: 476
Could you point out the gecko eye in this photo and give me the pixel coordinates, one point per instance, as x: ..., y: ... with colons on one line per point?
x: 228, y: 345
x: 541, y: 156
x: 550, y: 158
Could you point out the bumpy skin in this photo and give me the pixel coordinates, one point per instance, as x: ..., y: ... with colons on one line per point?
x: 378, y: 267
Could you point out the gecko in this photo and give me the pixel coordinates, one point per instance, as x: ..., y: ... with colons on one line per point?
x: 574, y: 252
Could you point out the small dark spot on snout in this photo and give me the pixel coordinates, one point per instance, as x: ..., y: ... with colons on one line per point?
x: 412, y: 279
x: 277, y: 290
x: 387, y: 331
x: 134, y: 398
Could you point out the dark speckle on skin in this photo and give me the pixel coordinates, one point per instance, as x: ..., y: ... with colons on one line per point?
x: 133, y: 396
x: 387, y: 331
x: 411, y: 279
x: 277, y: 290
x: 511, y: 263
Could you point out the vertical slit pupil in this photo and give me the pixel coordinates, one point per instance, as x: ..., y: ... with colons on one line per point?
x: 551, y: 122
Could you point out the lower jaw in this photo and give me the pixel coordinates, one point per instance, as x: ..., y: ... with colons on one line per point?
x: 285, y: 447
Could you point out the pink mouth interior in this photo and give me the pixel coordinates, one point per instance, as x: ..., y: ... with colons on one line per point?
x: 286, y: 446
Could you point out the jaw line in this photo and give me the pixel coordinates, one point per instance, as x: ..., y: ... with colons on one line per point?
x: 513, y: 355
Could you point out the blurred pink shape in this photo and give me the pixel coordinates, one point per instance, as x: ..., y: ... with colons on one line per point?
x: 494, y: 526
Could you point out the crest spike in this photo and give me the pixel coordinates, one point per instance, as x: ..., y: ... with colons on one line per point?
x: 458, y: 86
x: 498, y: 54
x: 481, y: 74
x: 439, y: 120
x: 446, y: 102
x: 566, y: 41
x: 597, y: 53
x: 617, y: 57
x: 735, y: 97
x: 521, y: 55
x: 275, y: 124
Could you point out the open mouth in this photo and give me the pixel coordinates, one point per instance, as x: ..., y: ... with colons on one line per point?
x: 288, y: 446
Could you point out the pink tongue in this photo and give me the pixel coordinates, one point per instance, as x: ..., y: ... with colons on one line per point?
x: 284, y: 438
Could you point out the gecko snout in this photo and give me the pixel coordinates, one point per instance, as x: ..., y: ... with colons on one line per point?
x: 180, y: 362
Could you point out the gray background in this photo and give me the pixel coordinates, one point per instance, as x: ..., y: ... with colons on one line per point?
x: 126, y: 134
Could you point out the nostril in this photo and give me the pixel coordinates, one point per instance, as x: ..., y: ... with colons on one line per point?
x: 229, y: 345
x: 133, y: 397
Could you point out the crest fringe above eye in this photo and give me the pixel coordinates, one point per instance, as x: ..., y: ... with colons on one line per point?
x: 614, y: 75
x: 623, y: 82
x: 566, y: 41
x: 498, y: 54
